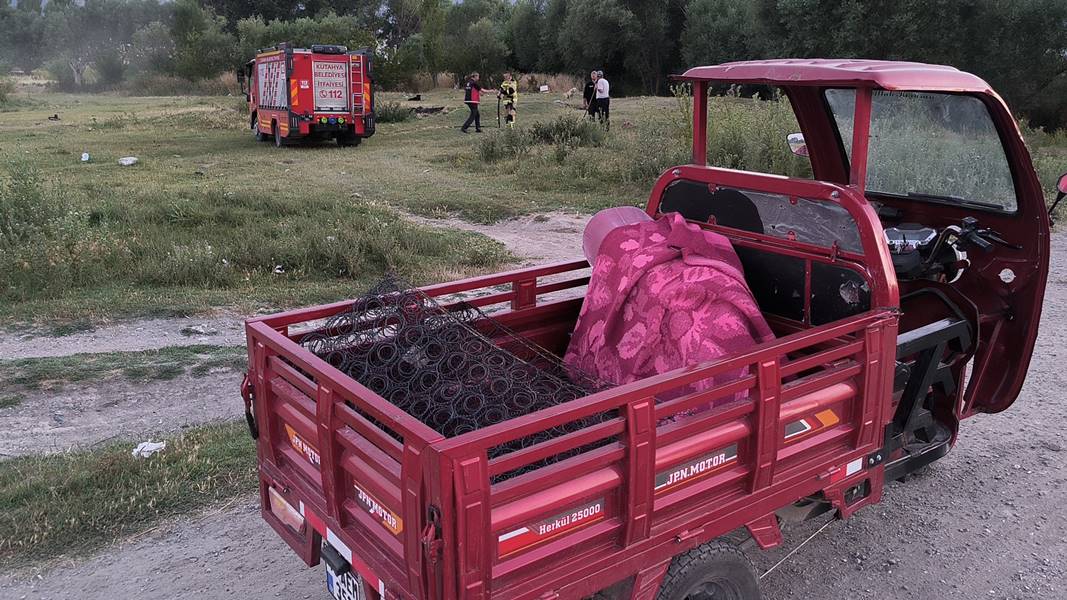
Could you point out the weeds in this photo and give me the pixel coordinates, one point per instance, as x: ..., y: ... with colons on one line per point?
x: 150, y: 84
x: 67, y: 504
x: 163, y: 364
x: 392, y: 112
x: 11, y: 400
x: 46, y: 244
x: 208, y: 236
x: 71, y: 328
x: 7, y: 90
x: 503, y: 144
x: 576, y: 131
x: 575, y: 154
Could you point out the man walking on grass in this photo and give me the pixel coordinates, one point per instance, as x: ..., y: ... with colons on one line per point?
x: 589, y: 96
x: 602, y: 97
x: 472, y: 94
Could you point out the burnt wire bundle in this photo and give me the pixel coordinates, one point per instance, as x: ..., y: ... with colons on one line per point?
x: 455, y: 369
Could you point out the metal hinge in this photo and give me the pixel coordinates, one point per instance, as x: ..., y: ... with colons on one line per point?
x: 248, y: 392
x: 431, y: 536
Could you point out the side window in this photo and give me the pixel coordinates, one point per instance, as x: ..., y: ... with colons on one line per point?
x: 749, y: 134
x: 927, y: 146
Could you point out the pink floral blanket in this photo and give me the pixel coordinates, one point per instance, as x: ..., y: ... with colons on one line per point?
x: 664, y: 294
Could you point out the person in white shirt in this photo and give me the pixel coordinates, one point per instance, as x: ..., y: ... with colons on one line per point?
x: 602, y: 97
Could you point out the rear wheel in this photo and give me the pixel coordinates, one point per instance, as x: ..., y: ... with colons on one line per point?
x: 260, y: 136
x: 346, y: 140
x: 279, y: 141
x: 713, y: 571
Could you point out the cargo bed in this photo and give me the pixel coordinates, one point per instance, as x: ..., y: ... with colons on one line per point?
x: 417, y: 515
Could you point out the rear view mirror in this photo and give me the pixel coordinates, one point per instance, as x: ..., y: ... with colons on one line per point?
x: 1061, y: 188
x: 797, y: 145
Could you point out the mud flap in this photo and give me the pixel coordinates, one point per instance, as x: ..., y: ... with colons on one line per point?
x: 765, y: 531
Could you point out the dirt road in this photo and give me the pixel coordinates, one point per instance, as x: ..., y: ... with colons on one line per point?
x: 226, y: 329
x: 82, y: 416
x: 987, y: 521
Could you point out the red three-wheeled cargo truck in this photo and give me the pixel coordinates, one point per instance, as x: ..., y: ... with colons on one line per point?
x: 903, y: 284
x: 315, y: 93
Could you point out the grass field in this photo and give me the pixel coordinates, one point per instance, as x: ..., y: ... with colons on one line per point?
x: 67, y: 504
x: 211, y: 218
x: 146, y: 365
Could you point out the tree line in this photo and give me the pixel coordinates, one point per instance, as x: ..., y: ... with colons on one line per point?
x: 1019, y: 46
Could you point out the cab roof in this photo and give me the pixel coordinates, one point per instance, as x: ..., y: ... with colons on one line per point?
x: 884, y: 74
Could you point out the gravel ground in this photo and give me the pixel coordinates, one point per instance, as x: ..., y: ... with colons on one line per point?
x: 86, y: 415
x: 225, y: 554
x: 536, y: 240
x: 987, y: 521
x: 127, y: 336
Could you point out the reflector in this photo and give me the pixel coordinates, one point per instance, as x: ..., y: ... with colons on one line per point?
x: 285, y: 511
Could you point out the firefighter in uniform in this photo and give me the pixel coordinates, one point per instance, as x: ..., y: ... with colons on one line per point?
x: 509, y: 92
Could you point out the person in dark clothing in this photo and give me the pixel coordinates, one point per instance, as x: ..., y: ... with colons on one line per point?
x: 602, y: 99
x: 589, y: 96
x: 472, y: 95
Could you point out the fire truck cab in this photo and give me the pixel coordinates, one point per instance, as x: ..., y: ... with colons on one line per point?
x: 313, y: 93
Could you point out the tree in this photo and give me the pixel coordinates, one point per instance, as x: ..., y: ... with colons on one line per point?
x: 203, y: 47
x: 551, y: 53
x: 718, y: 31
x: 21, y: 37
x: 596, y: 34
x: 79, y: 36
x: 432, y: 34
x: 479, y: 47
x: 329, y: 28
x: 152, y: 49
x: 652, y: 46
x: 473, y: 35
x: 526, y: 28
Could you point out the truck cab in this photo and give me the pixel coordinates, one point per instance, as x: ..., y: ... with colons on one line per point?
x: 316, y: 93
x: 937, y: 158
x: 903, y: 284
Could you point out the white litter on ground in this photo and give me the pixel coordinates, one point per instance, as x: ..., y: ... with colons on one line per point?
x: 128, y: 161
x: 146, y: 449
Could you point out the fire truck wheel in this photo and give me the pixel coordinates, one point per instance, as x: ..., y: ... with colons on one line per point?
x: 279, y: 141
x: 713, y: 571
x: 260, y: 136
x: 347, y: 140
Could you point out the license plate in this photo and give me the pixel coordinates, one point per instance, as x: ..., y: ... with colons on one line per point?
x: 348, y: 586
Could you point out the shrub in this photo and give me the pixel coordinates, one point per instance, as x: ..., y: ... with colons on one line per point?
x: 557, y: 83
x: 7, y: 89
x: 110, y: 68
x: 503, y: 144
x: 577, y: 131
x: 45, y: 243
x: 62, y: 76
x: 393, y: 112
x: 150, y: 84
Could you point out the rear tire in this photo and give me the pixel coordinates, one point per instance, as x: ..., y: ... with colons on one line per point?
x: 260, y: 136
x: 348, y: 140
x: 714, y: 571
x: 279, y: 141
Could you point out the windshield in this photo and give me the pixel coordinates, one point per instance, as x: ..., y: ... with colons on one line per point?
x: 940, y: 147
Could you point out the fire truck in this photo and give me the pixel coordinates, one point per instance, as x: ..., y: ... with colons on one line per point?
x: 312, y: 93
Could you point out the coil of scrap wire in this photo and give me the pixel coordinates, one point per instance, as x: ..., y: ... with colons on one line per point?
x: 456, y: 369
